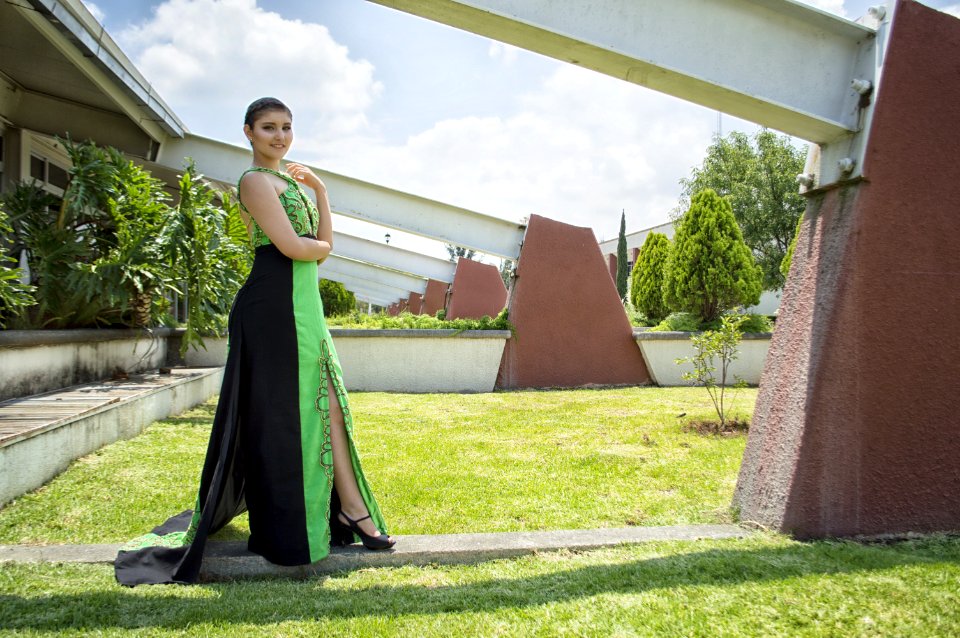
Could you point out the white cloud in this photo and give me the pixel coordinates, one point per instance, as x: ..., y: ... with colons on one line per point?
x: 580, y: 148
x: 577, y: 147
x: 96, y: 11
x: 210, y: 58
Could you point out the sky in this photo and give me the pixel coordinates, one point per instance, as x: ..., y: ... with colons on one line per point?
x: 397, y: 100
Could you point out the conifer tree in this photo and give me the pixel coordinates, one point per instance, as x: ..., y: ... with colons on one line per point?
x: 622, y: 257
x: 710, y: 268
x: 646, y: 286
x: 758, y: 175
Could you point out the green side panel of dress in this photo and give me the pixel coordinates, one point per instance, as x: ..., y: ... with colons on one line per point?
x: 314, y: 421
x: 333, y: 368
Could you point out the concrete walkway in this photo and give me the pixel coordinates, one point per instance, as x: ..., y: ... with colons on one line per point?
x: 229, y: 560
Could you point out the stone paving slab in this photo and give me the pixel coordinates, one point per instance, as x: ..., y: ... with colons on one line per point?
x: 230, y: 560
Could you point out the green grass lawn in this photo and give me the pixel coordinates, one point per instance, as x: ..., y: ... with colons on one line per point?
x: 438, y: 463
x: 503, y: 461
x: 762, y: 586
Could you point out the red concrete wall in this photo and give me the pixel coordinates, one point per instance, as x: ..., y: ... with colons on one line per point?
x: 571, y: 328
x: 612, y: 267
x: 856, y: 429
x: 415, y: 303
x: 393, y: 309
x: 477, y: 290
x: 435, y: 297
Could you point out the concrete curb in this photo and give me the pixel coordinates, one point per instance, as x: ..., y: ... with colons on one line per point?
x: 231, y: 560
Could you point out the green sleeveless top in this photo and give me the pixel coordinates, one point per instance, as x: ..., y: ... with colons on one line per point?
x: 300, y: 209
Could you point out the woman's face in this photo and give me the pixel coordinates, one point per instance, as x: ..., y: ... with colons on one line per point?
x: 272, y: 133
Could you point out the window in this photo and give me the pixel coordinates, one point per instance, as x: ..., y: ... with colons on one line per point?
x: 51, y: 176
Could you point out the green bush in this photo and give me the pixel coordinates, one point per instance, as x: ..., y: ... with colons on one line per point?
x: 646, y: 288
x: 410, y: 321
x: 689, y: 322
x: 637, y: 318
x: 108, y: 254
x: 199, y: 252
x: 337, y: 300
x: 14, y: 295
x: 756, y: 323
x: 683, y: 322
x: 710, y: 269
x: 713, y: 348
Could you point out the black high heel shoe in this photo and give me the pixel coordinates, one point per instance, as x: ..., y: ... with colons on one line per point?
x: 370, y: 542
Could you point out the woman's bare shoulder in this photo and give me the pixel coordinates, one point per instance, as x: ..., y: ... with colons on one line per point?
x: 257, y: 182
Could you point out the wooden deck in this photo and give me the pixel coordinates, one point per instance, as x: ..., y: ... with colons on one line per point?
x: 28, y: 416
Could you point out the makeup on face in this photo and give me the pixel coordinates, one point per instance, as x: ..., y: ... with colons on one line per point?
x: 272, y: 133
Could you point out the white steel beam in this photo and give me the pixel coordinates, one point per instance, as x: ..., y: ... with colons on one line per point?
x: 372, y: 297
x: 778, y: 63
x: 363, y: 200
x: 407, y: 261
x: 374, y: 274
x: 352, y: 283
x: 775, y: 62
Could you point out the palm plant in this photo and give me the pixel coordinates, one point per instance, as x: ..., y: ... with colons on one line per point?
x: 202, y: 255
x: 50, y: 251
x: 14, y: 294
x: 129, y: 275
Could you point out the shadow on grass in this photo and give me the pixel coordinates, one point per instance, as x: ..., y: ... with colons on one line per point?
x: 202, y: 415
x: 273, y: 601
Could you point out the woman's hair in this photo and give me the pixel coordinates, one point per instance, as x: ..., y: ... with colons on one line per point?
x: 262, y: 105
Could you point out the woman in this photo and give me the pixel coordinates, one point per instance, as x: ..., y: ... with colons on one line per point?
x: 281, y: 445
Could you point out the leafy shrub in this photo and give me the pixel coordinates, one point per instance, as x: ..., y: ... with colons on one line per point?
x: 682, y: 322
x: 689, y: 322
x: 756, y: 323
x: 337, y: 300
x: 646, y: 291
x: 14, y: 295
x: 637, y: 318
x: 713, y: 348
x: 710, y: 269
x: 410, y: 321
x: 110, y: 251
x: 198, y: 250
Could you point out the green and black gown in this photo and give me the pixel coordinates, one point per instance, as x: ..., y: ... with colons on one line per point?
x: 269, y: 451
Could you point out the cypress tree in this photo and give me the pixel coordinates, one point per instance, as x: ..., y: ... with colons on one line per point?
x: 710, y: 268
x: 622, y: 257
x: 646, y: 286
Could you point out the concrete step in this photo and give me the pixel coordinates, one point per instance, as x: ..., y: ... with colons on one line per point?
x: 41, y: 435
x: 231, y: 560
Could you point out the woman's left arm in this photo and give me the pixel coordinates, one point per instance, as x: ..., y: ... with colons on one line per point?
x: 307, y: 177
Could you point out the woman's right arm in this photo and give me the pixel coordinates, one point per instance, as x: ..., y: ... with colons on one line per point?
x: 261, y: 201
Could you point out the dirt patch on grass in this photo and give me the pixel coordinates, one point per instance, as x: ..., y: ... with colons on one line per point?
x: 733, y: 427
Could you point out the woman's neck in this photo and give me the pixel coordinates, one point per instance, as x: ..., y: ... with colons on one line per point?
x: 266, y: 162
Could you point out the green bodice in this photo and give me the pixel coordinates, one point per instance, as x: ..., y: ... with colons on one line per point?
x: 300, y: 209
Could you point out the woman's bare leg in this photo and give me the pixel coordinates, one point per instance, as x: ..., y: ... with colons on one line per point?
x: 351, y: 503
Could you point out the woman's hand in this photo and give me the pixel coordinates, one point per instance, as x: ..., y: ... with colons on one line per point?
x: 305, y: 176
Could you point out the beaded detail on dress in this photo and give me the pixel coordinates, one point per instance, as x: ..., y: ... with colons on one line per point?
x: 300, y: 209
